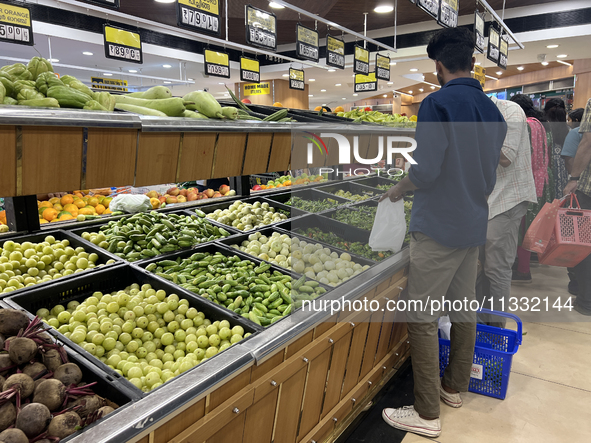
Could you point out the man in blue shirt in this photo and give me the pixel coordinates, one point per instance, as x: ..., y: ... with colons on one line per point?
x: 459, y: 137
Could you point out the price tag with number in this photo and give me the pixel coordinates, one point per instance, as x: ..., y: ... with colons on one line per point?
x: 479, y: 41
x: 122, y: 45
x: 335, y: 52
x: 448, y: 13
x: 382, y: 67
x: 261, y: 28
x: 307, y: 43
x: 366, y: 83
x: 199, y: 15
x: 217, y: 64
x: 431, y: 7
x: 250, y: 70
x: 493, y: 45
x: 16, y: 25
x: 503, y: 53
x: 361, y: 61
x: 296, y: 79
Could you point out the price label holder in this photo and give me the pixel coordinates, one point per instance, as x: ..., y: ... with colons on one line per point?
x: 217, y: 64
x: 250, y: 70
x: 113, y: 4
x: 122, y: 45
x: 382, y: 67
x: 361, y: 61
x: 479, y: 40
x: 199, y: 15
x: 261, y: 28
x: 296, y: 79
x: 366, y: 83
x: 111, y: 84
x: 307, y: 43
x: 335, y: 52
x: 503, y: 53
x: 16, y: 25
x: 479, y: 74
x: 493, y: 45
x: 448, y: 13
x: 431, y: 7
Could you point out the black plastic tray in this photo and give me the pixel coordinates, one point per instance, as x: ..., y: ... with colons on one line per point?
x: 352, y: 187
x: 372, y: 182
x: 355, y: 207
x: 109, y: 280
x: 314, y: 194
x: 75, y: 241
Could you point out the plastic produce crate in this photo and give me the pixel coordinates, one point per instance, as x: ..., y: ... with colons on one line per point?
x: 306, y: 194
x: 365, y: 205
x: 374, y: 182
x: 352, y: 187
x: 75, y: 241
x: 108, y: 280
x: 493, y: 355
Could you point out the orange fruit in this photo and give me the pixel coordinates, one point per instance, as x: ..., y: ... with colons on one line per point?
x: 87, y: 211
x: 278, y: 105
x: 339, y: 109
x: 287, y: 183
x: 106, y: 202
x: 41, y: 221
x: 66, y: 217
x: 100, y: 209
x: 44, y: 205
x: 58, y: 207
x: 49, y: 214
x: 72, y: 209
x: 107, y: 211
x: 62, y: 213
x: 79, y: 195
x: 270, y: 187
x: 79, y: 203
x: 93, y: 201
x: 67, y: 199
x: 54, y: 200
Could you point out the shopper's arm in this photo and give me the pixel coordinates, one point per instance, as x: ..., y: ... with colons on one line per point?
x: 395, y: 193
x: 580, y: 163
x: 568, y: 162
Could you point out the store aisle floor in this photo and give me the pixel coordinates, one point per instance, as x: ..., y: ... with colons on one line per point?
x: 549, y: 395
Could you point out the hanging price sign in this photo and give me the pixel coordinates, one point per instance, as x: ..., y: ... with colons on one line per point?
x: 366, y: 83
x: 382, y: 67
x: 261, y: 28
x: 250, y: 70
x: 479, y: 74
x: 479, y: 41
x: 503, y: 53
x: 335, y: 52
x: 217, y: 64
x: 431, y: 7
x: 296, y: 79
x: 307, y: 43
x: 15, y: 25
x: 361, y: 61
x: 122, y: 45
x: 493, y: 45
x: 448, y: 13
x: 199, y: 15
x: 109, y: 3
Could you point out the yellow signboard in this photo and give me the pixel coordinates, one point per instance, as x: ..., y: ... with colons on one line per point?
x: 122, y: 45
x: 121, y: 37
x: 361, y: 61
x: 112, y: 84
x: 479, y: 74
x: 249, y: 70
x: 258, y: 18
x: 335, y: 52
x: 15, y: 25
x: 365, y: 83
x: 361, y: 54
x: 257, y: 89
x: 249, y: 64
x: 14, y: 15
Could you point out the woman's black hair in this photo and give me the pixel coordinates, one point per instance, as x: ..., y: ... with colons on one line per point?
x: 555, y: 111
x: 576, y: 115
x: 527, y: 105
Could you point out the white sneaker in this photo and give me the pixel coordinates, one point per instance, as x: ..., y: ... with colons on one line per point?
x: 407, y: 419
x: 453, y: 400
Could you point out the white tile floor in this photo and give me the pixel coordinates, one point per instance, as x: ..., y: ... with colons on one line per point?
x: 549, y: 394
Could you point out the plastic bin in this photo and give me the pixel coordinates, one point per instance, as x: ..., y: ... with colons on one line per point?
x: 106, y: 281
x: 75, y: 241
x: 353, y: 188
x: 493, y: 355
x: 374, y: 182
x: 314, y: 194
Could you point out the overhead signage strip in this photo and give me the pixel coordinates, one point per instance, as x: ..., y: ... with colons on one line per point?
x: 250, y: 70
x: 261, y: 28
x: 382, y: 67
x: 217, y: 64
x: 122, y: 45
x: 448, y: 13
x: 199, y: 15
x: 366, y: 83
x: 307, y: 43
x: 296, y: 79
x: 335, y: 52
x: 479, y: 40
x: 361, y: 61
x: 15, y: 25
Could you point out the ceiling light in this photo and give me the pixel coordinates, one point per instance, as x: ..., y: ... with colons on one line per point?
x: 564, y: 63
x: 383, y: 9
x: 413, y: 69
x: 87, y: 53
x: 165, y: 1
x: 520, y: 68
x: 167, y: 66
x: 410, y: 92
x: 435, y: 73
x: 276, y: 5
x: 337, y: 84
x: 392, y: 63
x: 54, y: 60
x: 552, y: 46
x: 390, y: 83
x: 323, y: 90
x: 499, y: 73
x: 107, y: 74
x: 133, y: 71
x: 385, y: 95
x: 167, y: 82
x: 477, y: 63
x: 562, y: 56
x: 544, y: 63
x: 420, y: 89
x: 331, y: 70
x: 191, y: 79
x: 285, y: 75
x: 312, y: 80
x: 432, y: 87
x: 221, y: 83
x: 355, y: 95
x: 310, y: 95
x: 344, y: 98
x: 490, y: 76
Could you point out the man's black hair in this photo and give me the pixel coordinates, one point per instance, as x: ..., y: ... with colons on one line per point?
x: 453, y: 47
x: 576, y: 115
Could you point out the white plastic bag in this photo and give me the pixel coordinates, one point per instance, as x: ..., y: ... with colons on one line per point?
x: 445, y: 327
x: 131, y: 204
x: 389, y: 227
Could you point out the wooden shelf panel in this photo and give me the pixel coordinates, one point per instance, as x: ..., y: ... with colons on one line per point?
x: 196, y: 159
x: 8, y: 163
x: 157, y: 158
x: 110, y: 157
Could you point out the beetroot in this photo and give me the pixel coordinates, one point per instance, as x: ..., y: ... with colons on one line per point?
x: 12, y: 321
x: 22, y: 350
x: 63, y: 425
x: 5, y: 364
x: 35, y: 369
x: 33, y: 419
x: 105, y: 410
x: 89, y: 403
x: 21, y: 383
x: 2, y: 341
x: 13, y: 436
x: 52, y: 359
x: 7, y: 415
x: 50, y: 393
x: 68, y: 374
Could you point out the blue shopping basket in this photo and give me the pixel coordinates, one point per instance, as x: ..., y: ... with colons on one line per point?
x: 493, y: 354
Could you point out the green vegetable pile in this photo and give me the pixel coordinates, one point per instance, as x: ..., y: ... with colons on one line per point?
x: 312, y: 205
x: 395, y: 120
x: 359, y: 217
x: 256, y: 292
x: 385, y: 187
x: 355, y: 197
x: 361, y: 249
x: 147, y: 235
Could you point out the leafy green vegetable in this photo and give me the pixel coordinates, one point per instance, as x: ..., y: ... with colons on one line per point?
x: 355, y: 197
x: 312, y: 205
x: 362, y: 217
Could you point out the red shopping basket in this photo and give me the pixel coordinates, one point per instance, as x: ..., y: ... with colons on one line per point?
x: 571, y: 240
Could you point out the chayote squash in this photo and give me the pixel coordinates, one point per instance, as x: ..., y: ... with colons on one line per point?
x: 46, y: 80
x: 74, y: 83
x: 68, y: 97
x: 14, y: 70
x: 93, y: 105
x: 29, y: 94
x: 39, y: 65
x: 106, y: 100
x: 40, y: 103
x: 2, y: 92
x: 9, y: 101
